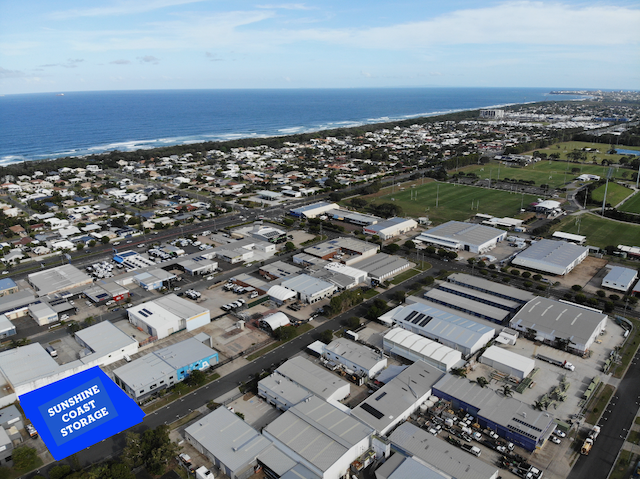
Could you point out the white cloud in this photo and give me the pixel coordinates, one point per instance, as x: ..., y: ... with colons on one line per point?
x: 4, y: 73
x: 120, y: 8
x: 120, y: 62
x: 149, y: 59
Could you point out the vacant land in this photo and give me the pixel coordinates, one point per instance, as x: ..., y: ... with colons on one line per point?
x: 599, y: 231
x: 632, y: 205
x: 455, y: 202
x: 553, y: 173
x: 566, y: 147
x: 615, y: 193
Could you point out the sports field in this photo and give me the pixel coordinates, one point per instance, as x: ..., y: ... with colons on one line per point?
x: 599, y: 231
x: 563, y: 148
x: 455, y: 202
x: 632, y: 205
x: 552, y: 173
x: 615, y: 193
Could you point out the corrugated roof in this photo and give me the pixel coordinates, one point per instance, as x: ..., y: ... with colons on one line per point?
x: 315, y: 379
x: 550, y: 256
x: 358, y: 354
x: 468, y: 233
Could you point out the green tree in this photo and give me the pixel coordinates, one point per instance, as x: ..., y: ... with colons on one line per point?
x: 24, y: 458
x: 196, y: 378
x: 79, y: 246
x: 393, y: 248
x: 482, y: 381
x: 326, y: 336
x: 410, y: 245
x: 104, y: 240
x: 240, y: 415
x: 289, y: 246
x: 59, y: 472
x: 353, y: 322
x: 132, y: 454
x: 507, y: 391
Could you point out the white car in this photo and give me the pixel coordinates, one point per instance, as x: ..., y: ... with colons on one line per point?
x: 493, y: 435
x: 560, y: 433
x: 477, y: 436
x: 501, y: 449
x: 555, y: 440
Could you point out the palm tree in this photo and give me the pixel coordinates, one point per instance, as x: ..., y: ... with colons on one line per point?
x: 506, y: 390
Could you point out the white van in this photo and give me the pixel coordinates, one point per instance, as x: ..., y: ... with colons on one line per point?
x: 52, y: 351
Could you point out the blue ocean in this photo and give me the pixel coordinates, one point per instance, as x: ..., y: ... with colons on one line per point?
x: 50, y: 125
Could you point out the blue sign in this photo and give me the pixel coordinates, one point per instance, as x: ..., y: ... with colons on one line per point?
x: 79, y: 411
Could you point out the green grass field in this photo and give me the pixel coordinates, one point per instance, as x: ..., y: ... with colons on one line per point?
x: 601, y: 154
x: 454, y: 201
x: 632, y: 205
x: 600, y: 231
x: 615, y: 193
x: 552, y: 173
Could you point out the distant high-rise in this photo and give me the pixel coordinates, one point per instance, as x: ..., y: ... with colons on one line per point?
x: 492, y: 114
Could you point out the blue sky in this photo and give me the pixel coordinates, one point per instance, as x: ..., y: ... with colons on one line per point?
x: 73, y: 45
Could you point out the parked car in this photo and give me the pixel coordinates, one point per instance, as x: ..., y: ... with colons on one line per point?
x: 560, y: 433
x: 555, y: 440
x: 493, y: 435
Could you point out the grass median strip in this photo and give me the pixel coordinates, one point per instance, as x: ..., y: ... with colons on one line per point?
x: 405, y: 275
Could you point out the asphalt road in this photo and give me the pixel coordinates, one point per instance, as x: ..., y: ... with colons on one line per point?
x: 614, y: 424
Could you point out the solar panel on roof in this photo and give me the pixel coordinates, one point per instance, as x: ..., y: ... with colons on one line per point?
x: 143, y: 313
x: 425, y: 321
x: 419, y: 317
x: 411, y: 315
x: 373, y: 411
x: 147, y: 311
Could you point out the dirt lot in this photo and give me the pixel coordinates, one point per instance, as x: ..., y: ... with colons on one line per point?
x: 582, y: 274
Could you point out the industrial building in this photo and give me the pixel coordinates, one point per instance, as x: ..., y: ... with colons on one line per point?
x: 167, y: 315
x: 512, y: 419
x: 396, y: 400
x: 412, y: 346
x: 197, y: 265
x: 452, y: 461
x: 476, y: 296
x: 268, y: 234
x: 336, y: 277
x: 42, y: 313
x: 391, y: 228
x: 154, y: 279
x: 355, y: 357
x: 619, y: 278
x: 319, y: 381
x: 382, y: 266
x: 577, y: 239
x: 278, y: 269
x: 162, y: 368
x: 553, y: 257
x: 309, y: 289
x: 358, y: 276
x: 353, y: 217
x: 399, y: 466
x: 16, y: 305
x: 460, y: 236
x: 106, y: 343
x: 228, y: 442
x: 305, y: 260
x: 7, y: 286
x: 244, y: 250
x: 559, y: 322
x: 491, y: 287
x: 280, y: 392
x: 55, y: 280
x: 274, y: 321
x: 313, y: 210
x: 508, y: 362
x: 279, y: 294
x: 323, y: 438
x: 7, y: 328
x: 449, y: 329
x: 347, y: 250
x: 467, y: 304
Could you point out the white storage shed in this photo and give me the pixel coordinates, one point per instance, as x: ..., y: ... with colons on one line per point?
x: 508, y: 362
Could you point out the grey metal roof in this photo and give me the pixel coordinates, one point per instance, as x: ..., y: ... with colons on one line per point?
x: 402, y: 467
x: 509, y: 412
x: 186, y: 352
x: 228, y: 438
x: 144, y: 371
x: 315, y: 379
x: 280, y: 386
x: 5, y: 324
x: 179, y: 306
x: 561, y: 319
x: 104, y: 337
x: 299, y: 471
x: 59, y: 278
x: 313, y: 206
x: 340, y: 280
x: 459, y: 290
x: 382, y: 264
x: 24, y: 364
x: 305, y: 284
x: 358, y: 354
x: 549, y: 255
x: 444, y: 456
x: 16, y: 300
x: 388, y: 223
x: 318, y: 432
x: 354, y: 217
x: 620, y: 275
x: 457, y: 330
x: 469, y: 233
x: 454, y: 301
x: 280, y: 269
x: 491, y: 287
x: 394, y: 399
x: 276, y: 460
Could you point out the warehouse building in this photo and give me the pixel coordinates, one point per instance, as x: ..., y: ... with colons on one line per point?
x: 167, y: 315
x: 274, y: 321
x: 278, y: 269
x: 7, y: 286
x: 559, y: 322
x: 268, y: 234
x: 399, y: 398
x: 347, y: 250
x: 353, y: 217
x: 55, y: 280
x: 356, y: 357
x: 412, y: 346
x: 468, y: 305
x: 154, y: 279
x: 491, y: 287
x: 313, y: 210
x: 553, y: 257
x: 16, y: 305
x: 577, y: 239
x: 382, y: 266
x: 244, y: 250
x: 7, y: 328
x: 228, y: 442
x: 449, y: 329
x: 309, y: 289
x: 280, y: 295
x: 42, y: 313
x: 399, y: 466
x: 197, y: 265
x: 391, y: 228
x: 479, y: 297
x: 320, y: 436
x: 512, y: 419
x: 619, y: 278
x: 318, y: 381
x: 105, y: 343
x: 281, y: 392
x: 508, y: 362
x: 163, y: 368
x: 358, y: 276
x: 305, y: 260
x: 459, y: 236
x: 452, y: 461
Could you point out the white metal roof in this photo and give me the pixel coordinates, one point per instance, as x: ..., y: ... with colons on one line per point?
x: 276, y: 320
x: 459, y: 232
x: 509, y: 358
x: 423, y: 346
x: 280, y: 293
x: 620, y: 276
x: 551, y: 256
